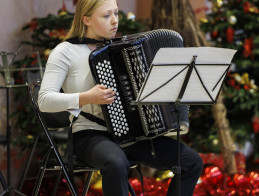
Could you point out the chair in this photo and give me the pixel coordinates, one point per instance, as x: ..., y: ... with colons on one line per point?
x: 53, y: 122
x: 60, y: 164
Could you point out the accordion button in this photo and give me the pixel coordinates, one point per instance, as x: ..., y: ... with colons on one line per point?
x: 126, y: 88
x: 123, y: 77
x: 125, y: 83
x: 127, y: 93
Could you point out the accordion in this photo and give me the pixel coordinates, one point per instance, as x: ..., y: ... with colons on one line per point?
x: 123, y: 65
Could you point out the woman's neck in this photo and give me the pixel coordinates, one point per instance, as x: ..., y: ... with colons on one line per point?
x: 91, y: 46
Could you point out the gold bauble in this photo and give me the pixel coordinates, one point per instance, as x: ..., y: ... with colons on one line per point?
x: 232, y: 20
x: 46, y: 52
x: 62, y: 13
x: 219, y: 3
x: 204, y: 20
x: 131, y: 16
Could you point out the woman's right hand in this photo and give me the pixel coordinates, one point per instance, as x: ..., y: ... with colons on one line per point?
x: 99, y: 94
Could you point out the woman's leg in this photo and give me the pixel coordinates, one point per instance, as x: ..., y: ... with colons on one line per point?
x: 99, y: 151
x: 165, y: 158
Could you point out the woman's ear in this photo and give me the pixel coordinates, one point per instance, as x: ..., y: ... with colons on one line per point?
x: 86, y: 20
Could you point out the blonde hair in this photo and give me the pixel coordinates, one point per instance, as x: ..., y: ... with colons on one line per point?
x: 83, y: 8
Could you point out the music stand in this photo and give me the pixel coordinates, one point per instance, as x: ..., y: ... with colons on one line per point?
x: 191, y: 76
x: 8, y: 69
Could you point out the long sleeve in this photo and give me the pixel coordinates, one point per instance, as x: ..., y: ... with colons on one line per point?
x: 68, y: 68
x: 50, y: 98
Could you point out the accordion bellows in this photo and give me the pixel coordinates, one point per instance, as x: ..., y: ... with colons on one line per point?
x: 123, y: 65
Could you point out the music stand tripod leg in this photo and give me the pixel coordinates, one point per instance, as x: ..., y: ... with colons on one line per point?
x: 7, y: 189
x: 7, y: 186
x: 177, y: 169
x: 4, y: 185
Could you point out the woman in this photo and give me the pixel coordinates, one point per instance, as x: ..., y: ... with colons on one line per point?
x: 68, y: 68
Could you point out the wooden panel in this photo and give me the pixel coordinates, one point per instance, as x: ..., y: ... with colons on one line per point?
x: 144, y: 8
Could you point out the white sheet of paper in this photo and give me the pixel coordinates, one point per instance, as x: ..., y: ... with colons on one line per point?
x: 205, y: 55
x: 166, y: 78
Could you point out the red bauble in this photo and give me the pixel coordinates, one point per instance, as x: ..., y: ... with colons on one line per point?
x: 246, y: 7
x: 231, y: 82
x: 248, y: 47
x: 255, y: 124
x: 136, y: 185
x: 240, y: 180
x: 254, y: 178
x: 214, y: 34
x: 33, y: 24
x: 213, y: 175
x: 230, y: 34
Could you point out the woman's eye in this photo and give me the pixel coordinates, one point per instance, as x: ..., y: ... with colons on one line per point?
x: 116, y: 13
x: 106, y: 16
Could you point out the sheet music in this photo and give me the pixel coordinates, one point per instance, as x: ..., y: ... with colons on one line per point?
x: 162, y: 75
x: 213, y: 55
x: 205, y: 55
x: 166, y: 56
x: 167, y: 74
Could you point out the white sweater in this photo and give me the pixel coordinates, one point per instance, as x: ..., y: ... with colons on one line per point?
x: 68, y: 68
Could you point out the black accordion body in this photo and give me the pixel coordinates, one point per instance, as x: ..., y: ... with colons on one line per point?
x: 123, y: 65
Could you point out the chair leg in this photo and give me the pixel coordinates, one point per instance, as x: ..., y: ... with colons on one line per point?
x: 41, y: 173
x: 87, y: 183
x: 3, y: 193
x: 57, y: 183
x: 4, y: 185
x: 29, y: 161
x: 131, y: 191
x: 2, y: 180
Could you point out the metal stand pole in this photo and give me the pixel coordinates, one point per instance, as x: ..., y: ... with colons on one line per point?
x: 177, y: 169
x: 7, y: 188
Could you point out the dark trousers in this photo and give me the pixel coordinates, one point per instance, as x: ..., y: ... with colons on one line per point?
x: 98, y: 150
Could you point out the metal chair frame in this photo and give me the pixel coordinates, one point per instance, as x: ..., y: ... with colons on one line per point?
x: 61, y: 165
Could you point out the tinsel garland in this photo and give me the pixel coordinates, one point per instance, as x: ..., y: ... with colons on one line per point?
x: 212, y: 182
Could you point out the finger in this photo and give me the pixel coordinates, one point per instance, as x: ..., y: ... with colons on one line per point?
x: 110, y: 100
x: 109, y: 95
x: 109, y: 91
x: 101, y: 86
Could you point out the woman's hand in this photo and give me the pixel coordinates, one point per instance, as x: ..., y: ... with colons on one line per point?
x: 99, y: 94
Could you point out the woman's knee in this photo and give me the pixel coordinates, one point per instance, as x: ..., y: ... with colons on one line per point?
x: 198, y: 162
x: 116, y: 163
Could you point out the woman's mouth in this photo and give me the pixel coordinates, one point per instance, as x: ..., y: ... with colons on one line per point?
x: 114, y: 29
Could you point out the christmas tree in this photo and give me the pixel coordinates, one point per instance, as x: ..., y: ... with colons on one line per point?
x: 235, y: 24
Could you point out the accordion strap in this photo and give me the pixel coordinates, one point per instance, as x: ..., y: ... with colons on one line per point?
x: 83, y: 40
x: 93, y: 118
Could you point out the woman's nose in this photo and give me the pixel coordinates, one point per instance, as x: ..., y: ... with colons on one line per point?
x: 114, y: 19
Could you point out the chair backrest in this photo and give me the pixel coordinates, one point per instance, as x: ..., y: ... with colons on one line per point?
x: 51, y: 120
x: 47, y: 121
x: 30, y: 75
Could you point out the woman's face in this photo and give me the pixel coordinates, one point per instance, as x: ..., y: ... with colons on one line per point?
x: 103, y: 23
